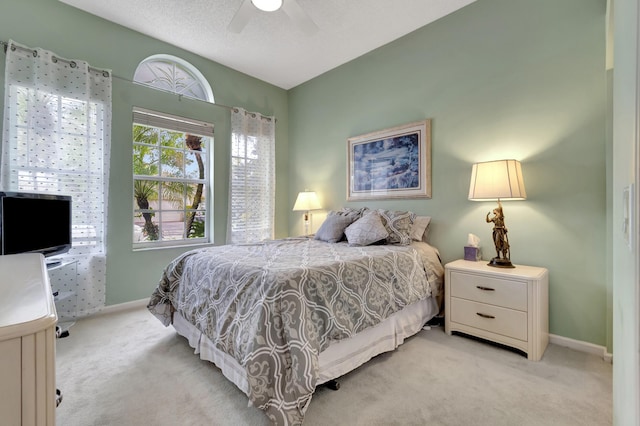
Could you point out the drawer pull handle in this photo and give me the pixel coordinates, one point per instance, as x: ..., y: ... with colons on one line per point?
x: 485, y: 315
x: 485, y: 288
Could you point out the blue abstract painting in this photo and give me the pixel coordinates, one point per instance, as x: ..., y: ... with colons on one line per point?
x: 387, y: 164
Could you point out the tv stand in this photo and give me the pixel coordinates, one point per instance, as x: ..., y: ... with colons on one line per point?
x: 27, y: 342
x: 53, y: 264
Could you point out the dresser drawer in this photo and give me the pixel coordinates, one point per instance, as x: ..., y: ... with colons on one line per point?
x: 494, y: 291
x: 507, y: 322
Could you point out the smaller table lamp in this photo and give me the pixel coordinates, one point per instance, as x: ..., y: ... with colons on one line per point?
x: 307, y: 200
x: 498, y: 180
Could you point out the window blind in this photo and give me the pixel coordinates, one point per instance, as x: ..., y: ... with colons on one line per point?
x: 171, y: 122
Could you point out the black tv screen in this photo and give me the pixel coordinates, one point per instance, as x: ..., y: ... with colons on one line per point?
x: 35, y: 223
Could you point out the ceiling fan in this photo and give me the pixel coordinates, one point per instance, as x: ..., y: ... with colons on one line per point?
x: 291, y: 7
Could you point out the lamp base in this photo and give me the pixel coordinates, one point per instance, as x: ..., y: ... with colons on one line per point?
x: 500, y: 263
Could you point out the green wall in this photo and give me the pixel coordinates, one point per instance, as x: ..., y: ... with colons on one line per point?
x: 71, y: 33
x: 500, y: 79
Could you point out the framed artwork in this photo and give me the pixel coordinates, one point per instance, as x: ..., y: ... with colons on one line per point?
x: 390, y: 163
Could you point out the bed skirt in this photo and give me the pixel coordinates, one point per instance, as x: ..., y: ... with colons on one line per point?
x: 339, y: 358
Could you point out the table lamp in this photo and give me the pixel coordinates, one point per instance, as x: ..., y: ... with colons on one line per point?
x: 498, y: 181
x: 307, y: 200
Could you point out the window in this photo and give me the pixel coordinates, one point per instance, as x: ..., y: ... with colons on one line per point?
x: 175, y: 75
x: 61, y: 154
x: 252, y: 185
x: 171, y: 180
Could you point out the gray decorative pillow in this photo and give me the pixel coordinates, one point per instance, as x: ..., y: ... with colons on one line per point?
x: 366, y: 230
x: 332, y: 229
x: 398, y: 225
x: 352, y: 212
x: 419, y: 228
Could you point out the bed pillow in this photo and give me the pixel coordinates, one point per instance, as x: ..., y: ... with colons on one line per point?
x: 398, y: 225
x: 419, y: 228
x: 332, y: 229
x: 367, y: 230
x: 352, y: 212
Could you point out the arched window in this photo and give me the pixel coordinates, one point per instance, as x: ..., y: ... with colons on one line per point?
x: 171, y: 161
x: 175, y: 75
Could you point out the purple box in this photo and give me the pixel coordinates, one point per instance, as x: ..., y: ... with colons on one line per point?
x: 471, y: 253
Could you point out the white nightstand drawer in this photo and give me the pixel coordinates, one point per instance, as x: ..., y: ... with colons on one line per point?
x: 495, y: 291
x: 507, y: 322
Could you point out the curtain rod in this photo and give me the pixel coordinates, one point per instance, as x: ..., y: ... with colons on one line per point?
x: 106, y: 73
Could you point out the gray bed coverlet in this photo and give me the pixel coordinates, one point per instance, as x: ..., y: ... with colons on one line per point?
x: 274, y: 306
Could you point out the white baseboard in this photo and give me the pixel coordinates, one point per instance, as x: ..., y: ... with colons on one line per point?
x: 581, y: 346
x: 134, y: 304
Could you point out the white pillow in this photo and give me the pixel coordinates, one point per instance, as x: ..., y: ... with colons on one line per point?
x: 366, y: 230
x: 419, y: 228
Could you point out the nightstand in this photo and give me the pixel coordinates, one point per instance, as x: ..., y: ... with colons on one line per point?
x: 509, y: 306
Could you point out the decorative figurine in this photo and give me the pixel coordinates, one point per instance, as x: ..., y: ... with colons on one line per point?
x: 500, y: 239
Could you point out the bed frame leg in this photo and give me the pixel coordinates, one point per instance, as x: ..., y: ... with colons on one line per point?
x: 333, y: 384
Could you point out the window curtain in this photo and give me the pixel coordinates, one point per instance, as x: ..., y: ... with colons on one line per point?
x: 56, y: 139
x: 252, y: 180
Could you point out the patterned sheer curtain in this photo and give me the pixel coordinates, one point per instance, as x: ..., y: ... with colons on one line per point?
x: 56, y: 139
x: 252, y: 181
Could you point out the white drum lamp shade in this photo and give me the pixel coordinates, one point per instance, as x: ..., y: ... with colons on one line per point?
x: 497, y: 180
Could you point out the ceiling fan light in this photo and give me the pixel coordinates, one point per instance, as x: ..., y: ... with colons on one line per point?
x: 267, y: 5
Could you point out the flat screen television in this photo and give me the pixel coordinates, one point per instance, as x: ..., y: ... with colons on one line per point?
x: 35, y: 223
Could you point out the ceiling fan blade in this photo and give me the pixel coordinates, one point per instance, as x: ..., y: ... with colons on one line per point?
x: 242, y: 16
x: 299, y: 16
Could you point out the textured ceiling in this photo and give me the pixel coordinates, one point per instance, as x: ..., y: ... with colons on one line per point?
x: 271, y: 46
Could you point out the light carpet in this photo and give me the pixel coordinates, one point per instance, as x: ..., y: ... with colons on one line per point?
x: 126, y: 368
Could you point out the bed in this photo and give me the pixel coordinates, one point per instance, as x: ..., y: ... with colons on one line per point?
x: 284, y: 316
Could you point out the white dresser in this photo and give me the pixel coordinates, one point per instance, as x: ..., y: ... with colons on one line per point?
x: 509, y: 306
x: 27, y: 342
